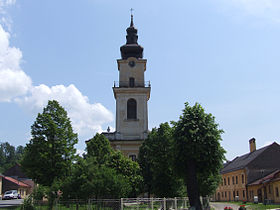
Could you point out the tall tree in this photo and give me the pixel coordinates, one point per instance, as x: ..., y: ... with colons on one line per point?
x: 49, y: 154
x: 155, y: 159
x: 198, y: 153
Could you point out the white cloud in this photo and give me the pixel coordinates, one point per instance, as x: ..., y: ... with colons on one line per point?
x: 86, y: 118
x: 80, y: 152
x: 264, y: 9
x: 13, y: 81
x: 16, y: 86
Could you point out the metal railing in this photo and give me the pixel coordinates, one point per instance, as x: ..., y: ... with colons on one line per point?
x: 117, y: 204
x: 129, y: 84
x: 154, y: 203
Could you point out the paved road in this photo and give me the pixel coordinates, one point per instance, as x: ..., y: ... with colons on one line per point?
x: 221, y: 206
x: 15, y: 202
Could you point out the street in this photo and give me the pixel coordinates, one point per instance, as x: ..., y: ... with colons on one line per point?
x: 14, y: 202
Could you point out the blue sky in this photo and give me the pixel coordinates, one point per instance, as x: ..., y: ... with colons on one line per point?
x: 223, y: 54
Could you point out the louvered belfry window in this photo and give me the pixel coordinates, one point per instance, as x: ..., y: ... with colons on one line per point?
x: 131, y: 109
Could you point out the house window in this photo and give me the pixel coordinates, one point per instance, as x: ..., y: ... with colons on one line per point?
x: 228, y: 180
x: 233, y: 194
x: 243, y: 193
x: 132, y: 157
x: 225, y: 194
x: 237, y: 193
x: 242, y: 179
x: 277, y: 191
x: 131, y: 82
x: 222, y: 194
x: 236, y: 180
x: 225, y: 181
x: 131, y: 108
x: 233, y: 180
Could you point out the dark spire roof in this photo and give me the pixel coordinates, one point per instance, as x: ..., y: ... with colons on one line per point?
x: 131, y: 48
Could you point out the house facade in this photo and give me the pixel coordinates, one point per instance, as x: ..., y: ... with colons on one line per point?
x: 10, y: 183
x: 239, y: 174
x: 15, y: 179
x: 266, y: 188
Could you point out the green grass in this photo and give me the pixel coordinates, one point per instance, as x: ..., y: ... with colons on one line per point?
x: 256, y: 206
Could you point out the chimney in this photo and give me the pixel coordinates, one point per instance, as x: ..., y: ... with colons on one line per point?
x: 252, y: 143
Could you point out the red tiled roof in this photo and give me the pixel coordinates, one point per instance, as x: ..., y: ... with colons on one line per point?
x: 21, y: 184
x: 268, y: 178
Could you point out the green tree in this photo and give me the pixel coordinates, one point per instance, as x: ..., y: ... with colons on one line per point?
x: 100, y: 151
x: 129, y: 169
x: 49, y: 154
x: 99, y: 147
x: 9, y: 155
x: 155, y: 159
x: 198, y: 153
x: 91, y: 180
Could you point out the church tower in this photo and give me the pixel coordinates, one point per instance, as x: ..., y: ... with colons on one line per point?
x: 132, y: 94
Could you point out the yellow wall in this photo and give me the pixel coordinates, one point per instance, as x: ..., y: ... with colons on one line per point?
x: 270, y: 189
x: 22, y: 192
x: 276, y: 185
x: 226, y: 191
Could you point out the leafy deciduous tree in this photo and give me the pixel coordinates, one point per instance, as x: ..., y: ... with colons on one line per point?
x: 9, y: 155
x: 100, y: 152
x: 156, y: 159
x: 198, y: 153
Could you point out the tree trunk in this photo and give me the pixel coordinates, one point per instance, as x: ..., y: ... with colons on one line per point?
x: 192, y: 185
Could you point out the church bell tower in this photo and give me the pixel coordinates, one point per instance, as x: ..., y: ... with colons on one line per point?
x: 132, y: 94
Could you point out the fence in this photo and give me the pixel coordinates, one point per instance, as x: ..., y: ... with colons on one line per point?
x: 154, y: 203
x: 118, y: 204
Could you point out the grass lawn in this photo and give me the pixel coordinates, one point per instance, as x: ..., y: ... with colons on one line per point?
x: 257, y: 206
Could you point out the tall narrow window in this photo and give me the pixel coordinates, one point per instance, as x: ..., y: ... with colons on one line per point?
x: 228, y: 181
x: 131, y: 82
x: 131, y: 109
x: 233, y: 180
x: 242, y: 179
x: 225, y: 181
x: 236, y: 180
x: 277, y: 191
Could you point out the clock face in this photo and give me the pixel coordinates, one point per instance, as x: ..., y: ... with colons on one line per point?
x: 131, y: 63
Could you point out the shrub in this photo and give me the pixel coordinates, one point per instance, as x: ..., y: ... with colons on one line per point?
x: 27, y: 204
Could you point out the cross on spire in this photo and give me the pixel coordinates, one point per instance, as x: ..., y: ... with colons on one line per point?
x: 131, y: 22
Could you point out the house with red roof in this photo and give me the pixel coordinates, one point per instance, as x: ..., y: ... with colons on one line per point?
x: 15, y: 179
x: 10, y: 183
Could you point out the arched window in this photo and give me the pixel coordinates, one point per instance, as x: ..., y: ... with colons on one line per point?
x: 131, y: 109
x: 132, y: 157
x: 131, y: 82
